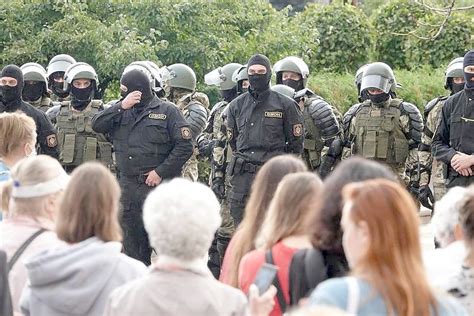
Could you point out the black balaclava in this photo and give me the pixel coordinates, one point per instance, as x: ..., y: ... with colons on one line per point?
x: 260, y: 83
x: 469, y: 77
x: 454, y: 87
x: 229, y: 94
x: 11, y: 96
x: 58, y: 87
x: 33, y: 91
x: 136, y: 80
x: 378, y: 98
x: 295, y: 84
x: 80, y: 98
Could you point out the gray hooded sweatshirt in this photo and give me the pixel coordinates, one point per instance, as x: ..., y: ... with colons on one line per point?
x: 77, y: 279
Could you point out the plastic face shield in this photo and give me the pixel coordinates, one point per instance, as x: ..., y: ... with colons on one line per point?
x: 215, y: 77
x: 377, y: 82
x: 167, y: 74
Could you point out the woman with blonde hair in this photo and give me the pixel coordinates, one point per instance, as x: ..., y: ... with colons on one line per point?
x: 31, y: 197
x: 283, y: 233
x: 17, y: 140
x: 78, y: 278
x: 382, y: 244
x: 263, y: 189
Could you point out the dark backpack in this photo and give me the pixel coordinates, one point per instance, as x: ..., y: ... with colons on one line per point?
x: 309, y: 267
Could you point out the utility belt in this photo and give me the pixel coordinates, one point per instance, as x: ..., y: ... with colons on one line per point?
x: 239, y: 165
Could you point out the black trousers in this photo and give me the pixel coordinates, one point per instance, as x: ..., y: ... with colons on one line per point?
x: 135, y: 238
x: 241, y: 183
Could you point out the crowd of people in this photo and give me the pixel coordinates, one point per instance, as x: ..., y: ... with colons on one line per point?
x: 307, y: 212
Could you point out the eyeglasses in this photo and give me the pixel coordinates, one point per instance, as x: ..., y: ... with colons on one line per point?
x: 8, y: 81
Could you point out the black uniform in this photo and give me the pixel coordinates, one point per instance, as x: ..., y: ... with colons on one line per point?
x: 10, y: 101
x: 150, y: 136
x: 260, y: 125
x: 455, y: 133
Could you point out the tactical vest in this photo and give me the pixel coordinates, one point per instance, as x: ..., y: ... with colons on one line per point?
x: 42, y: 104
x: 313, y: 145
x: 78, y: 142
x: 379, y: 135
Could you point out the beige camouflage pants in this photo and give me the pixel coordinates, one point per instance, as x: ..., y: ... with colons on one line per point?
x: 437, y: 178
x: 190, y: 169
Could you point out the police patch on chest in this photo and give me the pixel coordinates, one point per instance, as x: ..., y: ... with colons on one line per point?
x: 157, y: 116
x: 298, y: 130
x: 274, y: 114
x: 186, y: 133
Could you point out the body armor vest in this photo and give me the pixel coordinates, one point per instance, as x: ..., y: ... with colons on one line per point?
x: 379, y: 135
x: 77, y: 141
x: 313, y: 144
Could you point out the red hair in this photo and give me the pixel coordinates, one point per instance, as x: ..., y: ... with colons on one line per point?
x: 393, y: 262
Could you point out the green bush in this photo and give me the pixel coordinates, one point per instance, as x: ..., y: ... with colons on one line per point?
x: 345, y: 36
x: 453, y: 41
x: 397, y: 16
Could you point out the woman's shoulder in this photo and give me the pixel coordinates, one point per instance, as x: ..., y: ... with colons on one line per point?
x: 331, y: 292
x: 130, y: 264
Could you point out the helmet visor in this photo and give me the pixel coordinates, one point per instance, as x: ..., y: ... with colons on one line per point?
x: 214, y: 78
x: 377, y: 82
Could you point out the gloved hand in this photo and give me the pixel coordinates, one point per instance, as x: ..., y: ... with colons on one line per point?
x: 425, y: 196
x: 218, y: 187
x: 205, y: 146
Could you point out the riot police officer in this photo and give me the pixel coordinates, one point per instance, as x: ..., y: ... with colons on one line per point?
x: 453, y: 142
x: 35, y: 91
x: 241, y: 78
x: 180, y: 86
x: 322, y: 142
x: 214, y: 141
x: 78, y: 142
x: 55, y: 72
x: 454, y: 81
x: 152, y: 141
x: 382, y: 128
x: 261, y: 124
x: 11, y: 86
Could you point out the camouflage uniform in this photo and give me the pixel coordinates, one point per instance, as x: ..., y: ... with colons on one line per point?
x: 432, y: 117
x: 389, y: 134
x: 194, y: 107
x: 78, y: 142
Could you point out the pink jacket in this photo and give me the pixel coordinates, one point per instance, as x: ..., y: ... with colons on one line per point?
x: 13, y: 233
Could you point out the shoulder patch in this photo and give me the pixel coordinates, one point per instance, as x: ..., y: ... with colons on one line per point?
x: 52, y: 141
x: 298, y: 130
x: 157, y: 116
x: 274, y: 114
x: 186, y: 133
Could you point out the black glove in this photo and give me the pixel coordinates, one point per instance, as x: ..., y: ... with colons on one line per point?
x: 218, y: 187
x: 425, y: 196
x: 205, y: 147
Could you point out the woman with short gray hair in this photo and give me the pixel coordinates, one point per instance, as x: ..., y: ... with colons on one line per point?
x: 181, y: 218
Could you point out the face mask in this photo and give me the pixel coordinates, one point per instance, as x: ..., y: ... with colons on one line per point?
x: 259, y: 83
x: 295, y: 84
x: 456, y: 87
x: 33, y: 92
x: 379, y: 98
x: 469, y: 80
x: 80, y: 98
x: 10, y: 94
x: 228, y: 95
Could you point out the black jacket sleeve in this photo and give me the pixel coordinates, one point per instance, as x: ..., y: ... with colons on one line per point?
x: 47, y: 138
x: 440, y: 148
x: 107, y: 120
x: 181, y: 136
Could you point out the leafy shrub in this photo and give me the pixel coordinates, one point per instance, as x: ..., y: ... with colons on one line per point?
x: 345, y: 36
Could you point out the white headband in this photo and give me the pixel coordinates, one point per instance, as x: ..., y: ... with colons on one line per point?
x: 40, y: 189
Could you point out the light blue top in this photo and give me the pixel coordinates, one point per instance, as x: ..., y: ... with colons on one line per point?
x: 335, y: 292
x: 4, y: 172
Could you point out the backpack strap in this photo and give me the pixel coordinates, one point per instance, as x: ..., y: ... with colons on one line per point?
x: 276, y: 282
x: 23, y: 247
